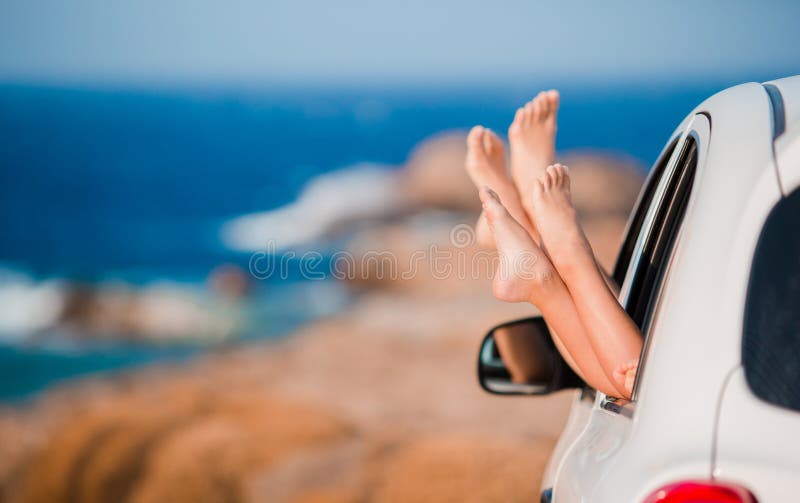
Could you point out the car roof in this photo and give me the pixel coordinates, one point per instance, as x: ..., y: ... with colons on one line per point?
x: 787, y: 143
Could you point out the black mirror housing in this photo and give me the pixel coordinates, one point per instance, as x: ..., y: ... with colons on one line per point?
x: 520, y: 358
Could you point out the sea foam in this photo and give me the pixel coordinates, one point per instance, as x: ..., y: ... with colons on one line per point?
x: 364, y: 190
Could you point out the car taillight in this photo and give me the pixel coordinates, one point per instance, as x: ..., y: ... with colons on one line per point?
x: 695, y: 491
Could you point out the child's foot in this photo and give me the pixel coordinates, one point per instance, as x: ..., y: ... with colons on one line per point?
x: 557, y: 222
x: 532, y: 138
x: 524, y: 272
x: 486, y: 166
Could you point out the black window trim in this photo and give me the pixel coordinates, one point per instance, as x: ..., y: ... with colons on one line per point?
x: 661, y: 245
x: 649, y: 223
x: 655, y: 229
x: 661, y: 239
x: 643, y: 201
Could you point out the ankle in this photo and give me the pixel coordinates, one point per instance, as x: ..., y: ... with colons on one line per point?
x: 542, y: 286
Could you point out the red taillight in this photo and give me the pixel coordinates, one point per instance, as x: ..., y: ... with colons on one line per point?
x: 701, y: 492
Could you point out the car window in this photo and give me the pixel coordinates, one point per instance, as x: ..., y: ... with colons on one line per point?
x: 648, y: 277
x: 639, y: 212
x: 646, y: 280
x: 771, y: 338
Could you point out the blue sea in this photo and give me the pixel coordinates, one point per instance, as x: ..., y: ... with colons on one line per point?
x: 134, y: 184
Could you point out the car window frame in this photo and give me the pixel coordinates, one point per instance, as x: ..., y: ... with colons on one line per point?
x: 640, y: 209
x: 638, y: 226
x: 648, y: 222
x: 663, y: 236
x: 667, y: 240
x: 666, y: 195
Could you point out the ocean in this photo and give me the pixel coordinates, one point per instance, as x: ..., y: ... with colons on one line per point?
x: 135, y: 185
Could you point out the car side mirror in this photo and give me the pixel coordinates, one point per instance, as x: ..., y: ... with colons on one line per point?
x: 520, y: 358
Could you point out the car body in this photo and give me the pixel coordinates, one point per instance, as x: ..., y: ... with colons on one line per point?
x: 707, y: 272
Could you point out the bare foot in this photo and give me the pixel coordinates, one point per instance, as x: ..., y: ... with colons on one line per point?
x: 532, y: 138
x: 483, y: 235
x: 524, y: 270
x: 557, y: 221
x: 486, y: 166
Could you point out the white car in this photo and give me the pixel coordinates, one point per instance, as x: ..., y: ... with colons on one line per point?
x: 710, y: 272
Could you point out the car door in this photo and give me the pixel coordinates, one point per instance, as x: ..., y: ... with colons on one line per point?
x: 642, y: 268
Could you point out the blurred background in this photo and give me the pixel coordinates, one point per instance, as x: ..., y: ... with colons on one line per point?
x: 179, y: 179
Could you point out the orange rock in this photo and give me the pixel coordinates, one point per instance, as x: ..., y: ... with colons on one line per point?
x: 434, y: 175
x: 463, y: 469
x: 142, y: 448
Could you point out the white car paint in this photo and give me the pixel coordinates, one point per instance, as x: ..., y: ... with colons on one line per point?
x: 692, y: 415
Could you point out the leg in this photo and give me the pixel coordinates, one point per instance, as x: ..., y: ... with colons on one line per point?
x: 613, y: 335
x: 485, y: 164
x: 526, y: 275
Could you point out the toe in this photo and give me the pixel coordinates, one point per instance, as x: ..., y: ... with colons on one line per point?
x: 554, y: 98
x: 535, y: 111
x: 552, y: 176
x: 475, y: 146
x: 486, y: 141
x: 567, y: 182
x: 530, y: 112
x: 544, y: 99
x: 491, y: 142
x: 474, y: 137
x: 493, y: 208
x: 516, y: 124
x: 544, y: 179
x: 557, y: 175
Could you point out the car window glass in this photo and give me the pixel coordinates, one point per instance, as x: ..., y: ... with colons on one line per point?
x: 771, y: 338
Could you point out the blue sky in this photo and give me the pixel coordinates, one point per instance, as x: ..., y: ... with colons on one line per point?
x: 410, y: 41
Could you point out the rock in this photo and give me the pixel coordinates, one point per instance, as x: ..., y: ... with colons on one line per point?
x: 434, y: 175
x: 349, y: 404
x: 183, y: 443
x: 429, y: 255
x: 452, y: 469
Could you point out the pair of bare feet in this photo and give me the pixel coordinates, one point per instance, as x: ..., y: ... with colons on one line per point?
x: 545, y: 257
x: 532, y: 138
